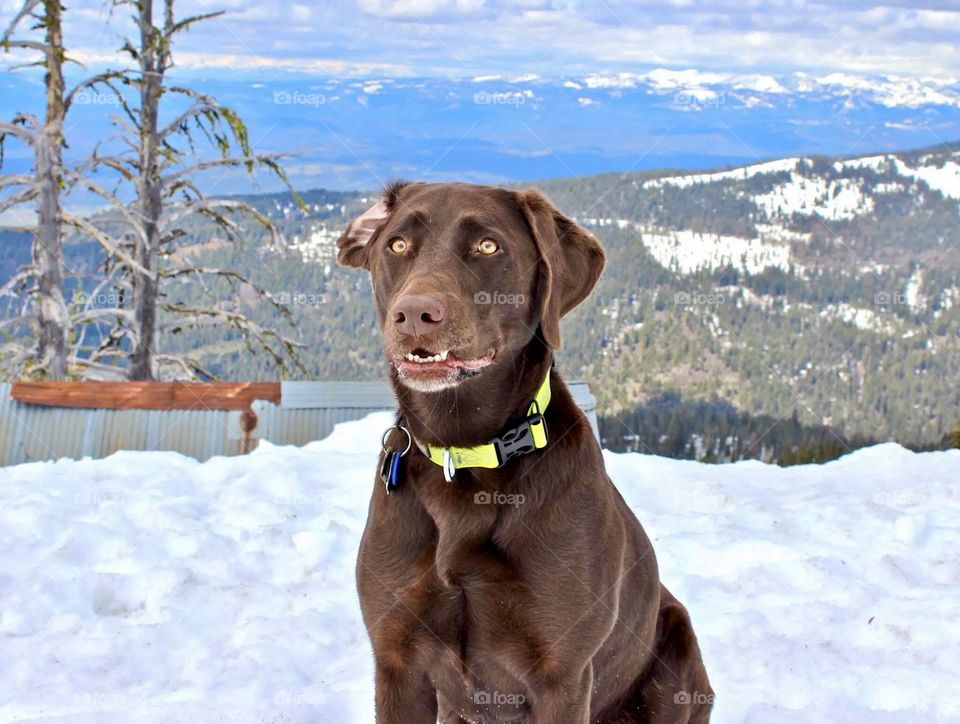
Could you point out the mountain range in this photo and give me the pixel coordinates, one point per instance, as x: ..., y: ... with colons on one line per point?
x: 358, y: 132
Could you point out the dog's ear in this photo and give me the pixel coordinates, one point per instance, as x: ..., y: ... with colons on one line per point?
x: 571, y: 261
x: 354, y: 243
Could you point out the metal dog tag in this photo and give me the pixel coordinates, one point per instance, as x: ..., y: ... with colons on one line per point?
x: 390, y: 469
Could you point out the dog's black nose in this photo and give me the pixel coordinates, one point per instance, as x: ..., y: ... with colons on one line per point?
x: 417, y: 314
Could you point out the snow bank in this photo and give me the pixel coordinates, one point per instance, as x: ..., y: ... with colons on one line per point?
x: 148, y: 587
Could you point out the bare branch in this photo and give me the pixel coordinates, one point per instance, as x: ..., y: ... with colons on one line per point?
x: 99, y: 78
x: 29, y: 45
x: 123, y: 209
x: 107, y: 242
x: 229, y: 162
x: 204, y: 103
x: 90, y: 314
x: 25, y: 11
x: 25, y: 272
x: 28, y: 194
x: 15, y: 180
x: 18, y: 131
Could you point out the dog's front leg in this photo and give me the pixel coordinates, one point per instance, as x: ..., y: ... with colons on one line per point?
x: 404, y: 697
x: 566, y: 700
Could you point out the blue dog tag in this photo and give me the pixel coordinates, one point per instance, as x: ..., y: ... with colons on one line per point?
x: 390, y: 470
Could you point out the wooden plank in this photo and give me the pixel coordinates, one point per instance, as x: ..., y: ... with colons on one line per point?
x: 146, y: 395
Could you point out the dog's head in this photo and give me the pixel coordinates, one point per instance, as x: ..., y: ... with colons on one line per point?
x: 466, y: 276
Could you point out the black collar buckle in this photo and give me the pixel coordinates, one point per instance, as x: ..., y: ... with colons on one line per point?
x: 518, y: 440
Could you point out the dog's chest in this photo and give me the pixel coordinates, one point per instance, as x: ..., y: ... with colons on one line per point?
x: 486, y: 641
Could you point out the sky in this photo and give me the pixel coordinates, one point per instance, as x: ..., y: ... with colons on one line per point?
x: 463, y: 38
x: 362, y: 91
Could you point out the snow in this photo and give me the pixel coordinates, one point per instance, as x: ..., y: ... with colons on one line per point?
x: 806, y: 193
x: 888, y: 91
x: 895, y: 91
x: 865, y: 319
x: 320, y: 246
x: 940, y: 175
x: 687, y: 251
x: 833, y: 200
x: 913, y: 292
x: 737, y: 174
x: 874, y: 163
x: 945, y: 179
x: 149, y: 587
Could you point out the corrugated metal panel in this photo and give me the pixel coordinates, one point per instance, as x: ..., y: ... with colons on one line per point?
x: 32, y: 432
x: 587, y: 402
x: 302, y: 395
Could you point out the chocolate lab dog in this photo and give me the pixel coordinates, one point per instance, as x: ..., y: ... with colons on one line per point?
x: 501, y: 575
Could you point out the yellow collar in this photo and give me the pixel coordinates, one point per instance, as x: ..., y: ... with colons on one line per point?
x: 528, y: 435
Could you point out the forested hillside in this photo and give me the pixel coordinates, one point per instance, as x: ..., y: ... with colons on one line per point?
x: 744, y: 312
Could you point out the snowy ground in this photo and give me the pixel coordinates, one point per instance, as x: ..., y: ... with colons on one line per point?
x: 148, y: 587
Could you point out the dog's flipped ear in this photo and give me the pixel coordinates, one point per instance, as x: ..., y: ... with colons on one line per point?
x: 354, y: 243
x: 571, y: 261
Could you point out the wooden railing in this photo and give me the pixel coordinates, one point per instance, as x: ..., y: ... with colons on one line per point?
x: 146, y: 395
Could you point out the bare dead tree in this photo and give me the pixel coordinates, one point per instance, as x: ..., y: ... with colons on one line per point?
x: 162, y: 164
x: 41, y: 340
x: 44, y: 352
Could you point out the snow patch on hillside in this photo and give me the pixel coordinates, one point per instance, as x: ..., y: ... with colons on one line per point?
x: 859, y: 317
x: 913, y: 292
x: 780, y: 233
x: 939, y: 174
x: 874, y: 163
x: 319, y: 247
x: 830, y: 199
x: 685, y: 251
x: 738, y: 174
x: 945, y: 178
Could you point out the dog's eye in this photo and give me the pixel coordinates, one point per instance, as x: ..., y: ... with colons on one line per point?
x: 488, y: 247
x: 399, y: 246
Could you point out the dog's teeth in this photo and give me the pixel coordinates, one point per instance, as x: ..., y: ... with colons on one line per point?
x: 439, y: 357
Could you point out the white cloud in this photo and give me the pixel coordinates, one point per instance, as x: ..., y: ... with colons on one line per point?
x: 468, y: 38
x: 419, y: 8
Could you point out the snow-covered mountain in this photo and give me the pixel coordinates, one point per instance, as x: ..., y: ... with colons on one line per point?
x: 789, y: 198
x: 357, y: 132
